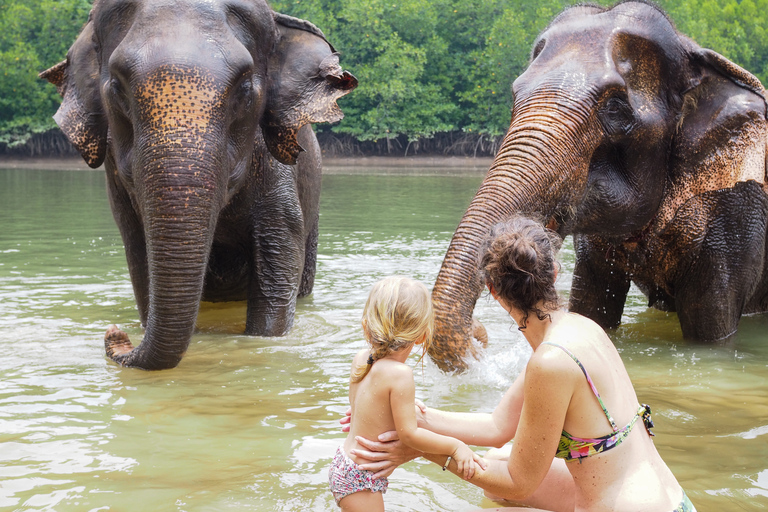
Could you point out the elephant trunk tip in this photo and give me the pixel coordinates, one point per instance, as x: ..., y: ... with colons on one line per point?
x: 479, y: 333
x: 453, y: 356
x: 120, y: 350
x: 117, y: 344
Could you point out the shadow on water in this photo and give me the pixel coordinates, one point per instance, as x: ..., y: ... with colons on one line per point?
x: 249, y: 423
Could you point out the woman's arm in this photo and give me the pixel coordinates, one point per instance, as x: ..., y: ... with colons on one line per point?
x: 480, y: 429
x: 548, y: 389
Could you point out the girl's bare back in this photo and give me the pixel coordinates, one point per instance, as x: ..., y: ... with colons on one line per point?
x: 370, y: 402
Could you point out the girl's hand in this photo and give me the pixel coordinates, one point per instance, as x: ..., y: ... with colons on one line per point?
x: 467, y: 461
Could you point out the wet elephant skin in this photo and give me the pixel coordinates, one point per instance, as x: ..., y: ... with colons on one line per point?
x: 201, y: 113
x: 651, y: 151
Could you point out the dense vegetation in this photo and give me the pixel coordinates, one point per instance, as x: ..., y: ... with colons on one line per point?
x: 434, y: 76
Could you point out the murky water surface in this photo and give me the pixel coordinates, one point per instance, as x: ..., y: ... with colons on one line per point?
x: 247, y: 423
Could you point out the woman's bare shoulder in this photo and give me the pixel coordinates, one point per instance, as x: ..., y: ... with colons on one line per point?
x: 550, y: 362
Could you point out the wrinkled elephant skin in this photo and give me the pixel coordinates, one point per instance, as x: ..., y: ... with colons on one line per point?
x: 201, y: 113
x: 649, y: 149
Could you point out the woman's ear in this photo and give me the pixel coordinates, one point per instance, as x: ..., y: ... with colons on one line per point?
x: 492, y: 290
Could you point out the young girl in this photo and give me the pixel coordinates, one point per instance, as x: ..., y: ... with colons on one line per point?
x: 397, y: 316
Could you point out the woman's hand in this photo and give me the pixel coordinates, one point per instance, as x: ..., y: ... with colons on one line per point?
x: 385, y: 454
x: 346, y: 420
x: 421, y: 410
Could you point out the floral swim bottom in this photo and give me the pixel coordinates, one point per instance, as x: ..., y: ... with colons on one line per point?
x: 346, y: 477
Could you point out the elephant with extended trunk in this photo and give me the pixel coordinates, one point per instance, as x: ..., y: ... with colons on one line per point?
x: 648, y: 148
x: 200, y: 112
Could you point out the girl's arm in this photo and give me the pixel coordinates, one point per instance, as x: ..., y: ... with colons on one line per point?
x: 480, y: 429
x: 402, y: 396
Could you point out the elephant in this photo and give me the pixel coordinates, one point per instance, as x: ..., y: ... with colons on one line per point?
x: 647, y: 148
x: 201, y: 113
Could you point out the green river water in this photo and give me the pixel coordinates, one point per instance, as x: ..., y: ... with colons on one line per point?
x: 249, y: 423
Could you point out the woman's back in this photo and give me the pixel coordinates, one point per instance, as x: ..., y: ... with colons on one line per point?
x: 629, y: 476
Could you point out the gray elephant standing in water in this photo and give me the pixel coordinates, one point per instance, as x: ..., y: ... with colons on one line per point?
x: 647, y: 147
x: 201, y: 112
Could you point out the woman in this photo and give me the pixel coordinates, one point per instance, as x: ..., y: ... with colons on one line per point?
x: 580, y: 405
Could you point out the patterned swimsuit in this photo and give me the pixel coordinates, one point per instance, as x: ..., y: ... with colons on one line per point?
x: 577, y: 448
x: 571, y: 448
x: 345, y: 477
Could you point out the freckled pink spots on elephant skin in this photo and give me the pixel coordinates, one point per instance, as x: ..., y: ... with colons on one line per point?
x: 649, y: 149
x: 201, y: 113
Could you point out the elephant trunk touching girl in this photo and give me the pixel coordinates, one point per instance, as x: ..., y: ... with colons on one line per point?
x: 651, y: 151
x: 200, y: 112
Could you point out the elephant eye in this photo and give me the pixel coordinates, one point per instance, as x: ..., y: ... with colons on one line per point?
x: 118, y: 94
x: 614, y: 106
x: 616, y: 116
x: 96, y: 44
x: 244, y: 95
x: 538, y: 48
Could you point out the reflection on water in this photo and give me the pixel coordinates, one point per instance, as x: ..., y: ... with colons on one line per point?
x: 249, y: 423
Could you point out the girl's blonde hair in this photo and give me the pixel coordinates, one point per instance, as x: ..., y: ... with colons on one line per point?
x: 398, y: 313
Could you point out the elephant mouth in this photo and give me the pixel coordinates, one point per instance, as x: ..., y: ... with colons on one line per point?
x: 562, y: 221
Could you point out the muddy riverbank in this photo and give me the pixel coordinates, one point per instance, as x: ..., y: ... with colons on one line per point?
x: 428, y: 164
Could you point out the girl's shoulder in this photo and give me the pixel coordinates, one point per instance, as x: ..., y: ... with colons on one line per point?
x: 395, y: 368
x: 361, y: 356
x: 392, y: 374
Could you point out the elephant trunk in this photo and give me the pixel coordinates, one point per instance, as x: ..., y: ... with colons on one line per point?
x: 179, y: 222
x: 540, y: 168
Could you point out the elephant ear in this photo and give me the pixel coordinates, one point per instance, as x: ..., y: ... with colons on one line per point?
x: 724, y: 115
x: 305, y: 80
x: 81, y: 114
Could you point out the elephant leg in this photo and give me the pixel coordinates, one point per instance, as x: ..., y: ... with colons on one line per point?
x: 309, y: 183
x: 132, y: 233
x: 278, y: 258
x: 725, y: 273
x: 600, y: 281
x: 310, y: 261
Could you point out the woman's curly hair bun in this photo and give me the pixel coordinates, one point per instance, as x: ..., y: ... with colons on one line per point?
x: 518, y: 261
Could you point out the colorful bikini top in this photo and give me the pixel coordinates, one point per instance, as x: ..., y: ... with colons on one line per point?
x: 571, y: 447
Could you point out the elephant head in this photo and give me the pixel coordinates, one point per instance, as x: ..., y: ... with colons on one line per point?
x: 617, y: 122
x: 179, y: 99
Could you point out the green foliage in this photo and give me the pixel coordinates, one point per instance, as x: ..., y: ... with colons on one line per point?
x: 425, y: 67
x: 736, y: 29
x: 34, y: 35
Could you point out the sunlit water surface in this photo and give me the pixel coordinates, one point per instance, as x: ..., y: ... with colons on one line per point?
x: 248, y: 423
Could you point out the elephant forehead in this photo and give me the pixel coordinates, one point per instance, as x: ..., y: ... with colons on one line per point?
x: 180, y: 97
x: 584, y: 27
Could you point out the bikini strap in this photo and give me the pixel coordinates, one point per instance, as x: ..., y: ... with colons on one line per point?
x: 589, y: 380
